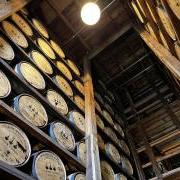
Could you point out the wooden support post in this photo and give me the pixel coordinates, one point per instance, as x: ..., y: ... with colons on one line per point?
x: 145, y: 140
x: 174, y: 118
x: 170, y: 61
x: 135, y: 157
x: 137, y: 162
x: 150, y: 153
x: 93, y: 170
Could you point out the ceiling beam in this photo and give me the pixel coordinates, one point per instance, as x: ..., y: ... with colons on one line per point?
x: 108, y: 41
x: 126, y: 69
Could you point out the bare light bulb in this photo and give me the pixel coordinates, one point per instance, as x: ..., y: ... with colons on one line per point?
x: 90, y: 13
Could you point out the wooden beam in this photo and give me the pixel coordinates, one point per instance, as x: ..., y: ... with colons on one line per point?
x: 174, y: 174
x: 150, y: 152
x: 108, y: 41
x: 170, y: 61
x: 93, y: 170
x: 135, y: 156
x: 10, y: 7
x: 162, y: 158
x: 167, y: 107
x: 160, y: 140
x: 126, y: 69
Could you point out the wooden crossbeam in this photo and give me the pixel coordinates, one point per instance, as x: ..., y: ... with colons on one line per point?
x: 160, y: 140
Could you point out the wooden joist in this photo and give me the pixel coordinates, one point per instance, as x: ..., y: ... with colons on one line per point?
x: 160, y: 140
x: 162, y: 158
x: 170, y: 61
x: 8, y: 8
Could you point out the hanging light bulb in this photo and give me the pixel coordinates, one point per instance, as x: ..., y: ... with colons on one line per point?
x: 90, y: 13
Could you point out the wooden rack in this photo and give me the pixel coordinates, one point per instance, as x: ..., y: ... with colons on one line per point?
x: 36, y: 133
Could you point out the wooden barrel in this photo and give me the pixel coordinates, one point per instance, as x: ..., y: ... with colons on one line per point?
x: 15, y: 148
x: 81, y: 151
x: 41, y: 62
x: 101, y: 143
x: 6, y: 51
x: 64, y: 69
x: 22, y: 24
x: 124, y: 147
x: 79, y: 102
x: 108, y: 117
x: 57, y: 49
x: 177, y: 49
x: 137, y: 12
x: 126, y: 165
x: 111, y: 134
x: 112, y: 152
x: 119, y: 129
x: 120, y: 177
x: 46, y: 48
x: 73, y: 66
x: 79, y: 86
x: 77, y: 120
x: 98, y: 107
x: 108, y: 107
x: 63, y: 85
x: 5, y: 86
x: 99, y: 97
x: 77, y: 176
x: 29, y: 73
x: 166, y: 22
x: 107, y: 171
x: 47, y: 165
x: 99, y: 122
x: 57, y: 101
x: 31, y: 109
x: 62, y: 134
x: 15, y: 34
x: 175, y: 7
x: 40, y: 28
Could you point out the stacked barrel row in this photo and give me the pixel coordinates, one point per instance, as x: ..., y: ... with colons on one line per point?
x: 43, y: 86
x: 114, y: 151
x: 161, y: 20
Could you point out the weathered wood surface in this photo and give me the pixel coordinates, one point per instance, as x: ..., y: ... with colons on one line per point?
x: 7, y: 9
x: 170, y: 61
x: 93, y: 171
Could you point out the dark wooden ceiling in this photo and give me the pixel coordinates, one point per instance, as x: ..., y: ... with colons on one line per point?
x: 76, y: 38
